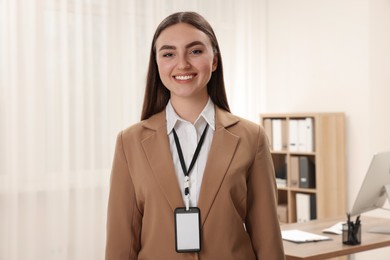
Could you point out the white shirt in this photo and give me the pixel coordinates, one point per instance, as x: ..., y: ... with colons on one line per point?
x: 189, y: 135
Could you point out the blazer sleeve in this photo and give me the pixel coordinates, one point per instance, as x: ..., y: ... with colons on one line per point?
x: 262, y: 222
x: 123, y: 217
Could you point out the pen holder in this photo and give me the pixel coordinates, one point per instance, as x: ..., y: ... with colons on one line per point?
x: 352, y: 234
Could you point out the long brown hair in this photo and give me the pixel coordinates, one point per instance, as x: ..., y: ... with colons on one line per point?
x: 156, y: 94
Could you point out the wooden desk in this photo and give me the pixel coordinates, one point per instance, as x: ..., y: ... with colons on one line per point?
x: 335, y: 247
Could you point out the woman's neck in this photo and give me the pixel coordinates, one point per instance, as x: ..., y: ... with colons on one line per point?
x: 189, y: 109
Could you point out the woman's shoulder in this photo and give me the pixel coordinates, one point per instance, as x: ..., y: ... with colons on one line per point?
x: 246, y: 124
x: 145, y: 128
x: 132, y: 129
x: 246, y: 129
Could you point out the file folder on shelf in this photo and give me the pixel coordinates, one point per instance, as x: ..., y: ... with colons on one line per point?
x: 307, y: 174
x: 306, y: 207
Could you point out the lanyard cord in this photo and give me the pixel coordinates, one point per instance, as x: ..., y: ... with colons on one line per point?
x: 182, y: 162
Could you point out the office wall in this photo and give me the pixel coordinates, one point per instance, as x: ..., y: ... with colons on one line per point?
x: 334, y: 55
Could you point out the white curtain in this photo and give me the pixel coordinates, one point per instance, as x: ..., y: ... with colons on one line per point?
x: 72, y: 74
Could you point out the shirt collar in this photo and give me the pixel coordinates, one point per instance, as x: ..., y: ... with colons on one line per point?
x: 208, y: 114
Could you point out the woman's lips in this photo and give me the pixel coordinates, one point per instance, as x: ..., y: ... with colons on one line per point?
x: 184, y: 77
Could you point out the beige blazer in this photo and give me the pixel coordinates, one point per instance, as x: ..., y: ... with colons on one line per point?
x: 238, y: 187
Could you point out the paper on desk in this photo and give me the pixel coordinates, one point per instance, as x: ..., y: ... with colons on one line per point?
x: 335, y: 229
x: 299, y: 236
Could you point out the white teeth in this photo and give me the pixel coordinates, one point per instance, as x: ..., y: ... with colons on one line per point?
x: 187, y: 77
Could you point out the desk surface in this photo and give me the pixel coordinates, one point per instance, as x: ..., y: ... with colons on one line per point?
x: 334, y: 247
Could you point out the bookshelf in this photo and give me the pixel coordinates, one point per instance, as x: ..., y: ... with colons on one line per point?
x: 308, y: 151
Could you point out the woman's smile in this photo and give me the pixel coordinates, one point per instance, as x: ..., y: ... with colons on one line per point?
x: 184, y: 78
x: 185, y: 61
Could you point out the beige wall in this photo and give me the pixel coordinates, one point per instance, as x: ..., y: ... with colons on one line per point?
x: 334, y: 55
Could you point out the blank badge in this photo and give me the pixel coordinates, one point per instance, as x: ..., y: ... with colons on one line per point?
x: 187, y: 230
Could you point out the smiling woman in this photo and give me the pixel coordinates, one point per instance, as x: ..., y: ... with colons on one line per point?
x: 223, y: 206
x: 71, y: 76
x: 179, y: 51
x: 185, y: 61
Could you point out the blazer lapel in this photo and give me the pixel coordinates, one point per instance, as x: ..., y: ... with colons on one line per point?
x: 159, y: 156
x: 221, y: 153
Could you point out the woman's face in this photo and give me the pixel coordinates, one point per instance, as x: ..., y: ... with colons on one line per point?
x: 185, y: 61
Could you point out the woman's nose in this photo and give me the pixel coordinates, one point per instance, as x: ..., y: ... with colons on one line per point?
x: 183, y: 63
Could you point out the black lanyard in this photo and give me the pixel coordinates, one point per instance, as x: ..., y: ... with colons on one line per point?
x: 182, y: 162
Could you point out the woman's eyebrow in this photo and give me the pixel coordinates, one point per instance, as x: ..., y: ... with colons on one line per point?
x: 171, y: 47
x: 194, y: 43
x: 167, y: 47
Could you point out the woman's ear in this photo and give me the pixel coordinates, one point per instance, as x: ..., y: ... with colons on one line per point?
x: 215, y: 62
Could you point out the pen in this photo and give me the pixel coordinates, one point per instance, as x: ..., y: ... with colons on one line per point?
x: 357, y: 221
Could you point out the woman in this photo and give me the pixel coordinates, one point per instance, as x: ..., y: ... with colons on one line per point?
x: 156, y: 171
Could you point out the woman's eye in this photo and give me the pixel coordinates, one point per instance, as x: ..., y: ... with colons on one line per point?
x: 167, y: 55
x: 196, y: 52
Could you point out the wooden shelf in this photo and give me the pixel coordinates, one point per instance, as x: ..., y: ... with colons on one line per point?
x: 328, y: 156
